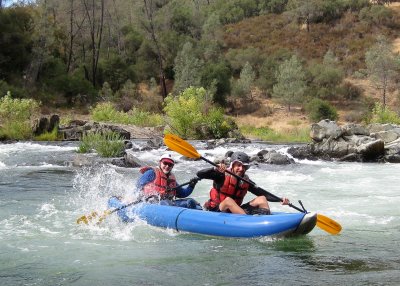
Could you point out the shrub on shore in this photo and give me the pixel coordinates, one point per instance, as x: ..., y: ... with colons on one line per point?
x: 16, y: 117
x: 192, y: 115
x: 106, y: 112
x: 109, y: 144
x: 383, y: 115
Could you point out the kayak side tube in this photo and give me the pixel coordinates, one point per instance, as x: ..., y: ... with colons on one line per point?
x: 217, y: 223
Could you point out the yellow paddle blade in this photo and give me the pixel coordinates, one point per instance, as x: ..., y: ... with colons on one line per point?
x: 104, y: 215
x: 87, y: 218
x: 328, y: 224
x: 181, y: 146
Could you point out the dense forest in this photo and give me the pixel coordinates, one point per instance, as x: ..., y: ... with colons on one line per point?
x: 136, y: 53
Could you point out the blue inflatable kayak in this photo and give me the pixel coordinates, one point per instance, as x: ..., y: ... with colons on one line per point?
x: 216, y: 223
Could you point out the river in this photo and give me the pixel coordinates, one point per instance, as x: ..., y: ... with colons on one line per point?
x: 42, y: 195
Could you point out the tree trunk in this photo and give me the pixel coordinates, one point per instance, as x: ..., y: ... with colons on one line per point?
x: 151, y: 29
x: 96, y: 32
x: 71, y: 35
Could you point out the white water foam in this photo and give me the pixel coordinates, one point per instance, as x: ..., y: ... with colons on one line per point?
x: 29, y: 146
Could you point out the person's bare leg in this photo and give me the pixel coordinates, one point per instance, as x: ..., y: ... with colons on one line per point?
x: 260, y: 202
x: 231, y: 205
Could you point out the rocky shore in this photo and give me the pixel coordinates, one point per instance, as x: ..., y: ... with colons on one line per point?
x: 350, y: 142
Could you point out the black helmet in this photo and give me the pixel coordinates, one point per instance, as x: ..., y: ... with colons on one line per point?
x: 240, y: 157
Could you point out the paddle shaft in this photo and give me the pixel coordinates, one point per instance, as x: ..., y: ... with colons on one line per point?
x: 265, y: 193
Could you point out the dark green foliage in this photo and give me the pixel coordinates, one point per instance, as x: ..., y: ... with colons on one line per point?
x: 273, y: 6
x: 132, y: 38
x: 325, y: 80
x: 217, y: 76
x: 269, y: 68
x: 116, y: 71
x: 319, y: 109
x: 16, y: 27
x: 237, y: 58
x: 182, y: 20
x: 16, y: 92
x: 75, y: 88
x: 52, y: 68
x: 232, y: 11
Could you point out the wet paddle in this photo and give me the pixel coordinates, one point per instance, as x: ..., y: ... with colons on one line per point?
x: 95, y: 216
x: 179, y: 145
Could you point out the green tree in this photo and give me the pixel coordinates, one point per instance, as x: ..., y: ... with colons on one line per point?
x: 273, y: 6
x: 242, y: 87
x: 217, y: 76
x: 305, y: 11
x: 16, y: 26
x: 382, y: 67
x: 291, y: 85
x: 326, y: 77
x: 187, y: 69
x: 211, y: 37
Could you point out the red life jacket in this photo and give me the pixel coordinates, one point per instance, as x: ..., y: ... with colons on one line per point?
x: 232, y: 187
x: 162, y: 185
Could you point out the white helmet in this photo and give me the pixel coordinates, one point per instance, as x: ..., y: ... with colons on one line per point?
x: 167, y: 157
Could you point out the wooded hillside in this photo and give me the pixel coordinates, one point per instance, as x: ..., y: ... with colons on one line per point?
x: 313, y: 54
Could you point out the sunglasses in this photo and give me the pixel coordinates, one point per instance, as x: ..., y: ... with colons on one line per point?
x: 168, y: 164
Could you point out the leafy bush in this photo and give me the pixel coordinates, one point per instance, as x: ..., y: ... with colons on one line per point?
x: 319, y: 109
x: 381, y: 114
x: 191, y: 115
x: 16, y: 116
x: 109, y: 144
x: 106, y: 112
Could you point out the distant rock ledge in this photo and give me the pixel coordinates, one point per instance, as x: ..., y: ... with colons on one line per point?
x: 76, y: 128
x: 351, y: 142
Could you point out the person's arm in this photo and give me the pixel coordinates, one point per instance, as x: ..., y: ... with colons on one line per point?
x: 211, y: 174
x: 182, y: 192
x: 260, y: 192
x: 146, y: 178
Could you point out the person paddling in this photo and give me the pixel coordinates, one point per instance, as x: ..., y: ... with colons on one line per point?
x: 159, y: 185
x: 228, y: 192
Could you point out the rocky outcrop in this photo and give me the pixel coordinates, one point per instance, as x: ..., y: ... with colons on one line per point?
x: 351, y: 142
x: 76, y: 128
x: 45, y: 124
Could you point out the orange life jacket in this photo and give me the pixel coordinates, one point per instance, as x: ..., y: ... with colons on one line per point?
x: 232, y: 187
x: 162, y: 185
